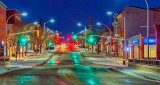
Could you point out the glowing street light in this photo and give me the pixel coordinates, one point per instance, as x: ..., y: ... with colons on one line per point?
x: 35, y: 22
x: 109, y: 13
x: 79, y: 24
x: 51, y: 21
x: 99, y: 24
x: 24, y: 14
x: 85, y: 29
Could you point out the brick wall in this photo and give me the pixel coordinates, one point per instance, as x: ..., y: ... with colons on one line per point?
x: 2, y: 22
x: 136, y: 17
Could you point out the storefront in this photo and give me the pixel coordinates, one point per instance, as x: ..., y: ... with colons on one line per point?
x: 152, y: 47
x: 135, y: 49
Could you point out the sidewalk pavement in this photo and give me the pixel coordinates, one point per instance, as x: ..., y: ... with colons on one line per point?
x: 110, y: 63
x: 31, y: 61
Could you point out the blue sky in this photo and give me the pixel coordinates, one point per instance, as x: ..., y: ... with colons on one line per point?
x: 68, y: 12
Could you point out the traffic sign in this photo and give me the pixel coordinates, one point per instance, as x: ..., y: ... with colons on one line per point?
x: 109, y: 39
x: 116, y: 35
x: 115, y: 24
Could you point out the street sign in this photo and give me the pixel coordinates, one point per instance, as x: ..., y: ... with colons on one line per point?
x: 109, y: 39
x: 115, y: 24
x: 116, y: 35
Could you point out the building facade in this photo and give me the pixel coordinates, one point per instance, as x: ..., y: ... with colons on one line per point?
x: 133, y: 30
x: 2, y: 21
x: 12, y: 27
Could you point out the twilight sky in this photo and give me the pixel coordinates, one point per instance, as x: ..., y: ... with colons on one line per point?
x: 68, y: 12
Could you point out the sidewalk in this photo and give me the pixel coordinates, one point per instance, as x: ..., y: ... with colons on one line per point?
x: 110, y: 63
x: 30, y: 61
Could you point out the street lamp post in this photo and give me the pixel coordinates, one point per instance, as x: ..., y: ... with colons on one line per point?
x: 85, y: 29
x: 110, y: 33
x: 147, y: 28
x: 116, y: 25
x: 147, y: 5
x: 51, y: 21
x: 23, y: 14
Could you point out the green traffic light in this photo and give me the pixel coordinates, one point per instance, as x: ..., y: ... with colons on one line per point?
x: 50, y: 43
x: 74, y: 37
x: 22, y: 40
x: 91, y: 39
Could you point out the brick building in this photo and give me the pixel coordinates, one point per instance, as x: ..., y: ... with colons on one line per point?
x: 12, y: 26
x: 133, y: 28
x: 13, y: 22
x: 2, y: 21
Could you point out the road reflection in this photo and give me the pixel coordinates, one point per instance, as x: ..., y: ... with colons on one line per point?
x: 23, y: 79
x: 76, y: 57
x: 86, y: 74
x: 74, y: 72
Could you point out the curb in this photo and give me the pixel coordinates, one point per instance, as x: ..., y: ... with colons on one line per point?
x: 137, y: 75
x: 31, y: 66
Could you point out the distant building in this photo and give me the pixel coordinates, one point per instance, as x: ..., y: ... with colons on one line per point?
x: 132, y: 22
x: 2, y: 21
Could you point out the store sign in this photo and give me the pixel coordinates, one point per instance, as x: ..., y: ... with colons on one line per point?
x: 151, y: 40
x: 135, y: 41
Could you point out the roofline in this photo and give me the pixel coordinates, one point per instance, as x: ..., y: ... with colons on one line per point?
x: 1, y: 3
x: 150, y: 9
x: 14, y: 9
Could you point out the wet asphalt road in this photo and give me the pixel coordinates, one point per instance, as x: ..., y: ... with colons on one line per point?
x: 65, y: 69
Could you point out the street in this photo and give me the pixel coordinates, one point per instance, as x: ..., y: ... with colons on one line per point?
x: 65, y: 69
x: 79, y: 42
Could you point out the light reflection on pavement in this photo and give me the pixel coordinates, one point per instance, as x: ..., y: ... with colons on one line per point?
x: 69, y: 69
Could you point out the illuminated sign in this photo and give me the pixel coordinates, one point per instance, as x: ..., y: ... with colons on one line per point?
x: 151, y: 40
x: 135, y: 41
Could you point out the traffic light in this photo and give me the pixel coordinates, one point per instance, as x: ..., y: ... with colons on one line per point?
x: 50, y: 43
x: 74, y: 37
x: 91, y: 40
x: 38, y: 33
x: 22, y: 40
x: 56, y: 38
